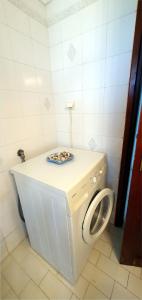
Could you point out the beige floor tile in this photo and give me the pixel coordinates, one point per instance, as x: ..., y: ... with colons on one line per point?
x: 6, y: 262
x: 135, y: 285
x: 94, y: 256
x: 27, y: 246
x: 26, y: 243
x: 114, y: 256
x: 78, y: 288
x: 15, y: 276
x: 134, y: 270
x: 32, y: 292
x: 34, y: 268
x: 10, y: 295
x: 20, y: 253
x: 6, y: 291
x: 54, y: 288
x: 122, y: 293
x: 101, y: 281
x: 113, y: 269
x: 105, y: 236
x: 94, y: 294
x: 45, y: 263
x: 103, y: 247
x: 74, y: 297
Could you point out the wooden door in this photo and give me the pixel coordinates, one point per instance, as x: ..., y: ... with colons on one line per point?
x: 131, y: 251
x: 131, y: 118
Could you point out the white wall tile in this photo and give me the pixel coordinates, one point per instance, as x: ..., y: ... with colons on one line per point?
x: 55, y: 34
x: 32, y: 126
x: 2, y: 13
x: 115, y: 99
x: 57, y: 81
x: 114, y: 125
x: 25, y: 77
x: 30, y: 104
x: 48, y: 129
x: 93, y: 101
x: 63, y: 138
x: 10, y: 104
x: 22, y: 48
x: 41, y: 56
x: 119, y: 8
x: 94, y: 15
x: 7, y: 74
x: 56, y: 57
x: 121, y: 35
x: 5, y: 44
x: 92, y: 141
x: 72, y: 79
x: 25, y: 80
x: 113, y: 168
x: 76, y: 98
x: 93, y: 75
x: 13, y: 130
x: 94, y: 44
x: 39, y: 32
x: 62, y: 122
x: 93, y: 124
x: 43, y: 81
x: 118, y: 69
x: 72, y: 52
x: 8, y: 156
x: 16, y: 18
x: 46, y: 103
x: 71, y: 26
x: 5, y: 186
x: 9, y: 215
x: 113, y: 146
x: 77, y: 123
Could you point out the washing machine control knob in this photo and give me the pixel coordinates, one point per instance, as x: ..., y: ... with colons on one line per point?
x: 94, y: 179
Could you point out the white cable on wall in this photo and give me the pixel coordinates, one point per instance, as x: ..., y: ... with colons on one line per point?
x: 69, y: 106
x: 70, y: 126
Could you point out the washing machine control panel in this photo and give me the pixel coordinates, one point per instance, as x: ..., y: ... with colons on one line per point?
x: 91, y: 182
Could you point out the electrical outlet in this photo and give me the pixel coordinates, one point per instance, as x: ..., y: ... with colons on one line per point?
x: 69, y: 104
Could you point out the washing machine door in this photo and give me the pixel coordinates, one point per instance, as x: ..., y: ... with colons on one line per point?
x: 97, y: 215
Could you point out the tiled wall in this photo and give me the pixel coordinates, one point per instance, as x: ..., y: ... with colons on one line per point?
x: 86, y: 60
x: 27, y: 118
x: 90, y: 60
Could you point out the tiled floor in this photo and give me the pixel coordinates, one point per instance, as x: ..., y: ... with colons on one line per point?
x: 25, y: 275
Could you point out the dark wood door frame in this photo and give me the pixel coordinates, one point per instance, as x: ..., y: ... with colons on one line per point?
x: 131, y: 248
x: 131, y: 118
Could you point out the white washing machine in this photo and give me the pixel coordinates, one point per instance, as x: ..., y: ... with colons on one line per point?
x: 66, y: 207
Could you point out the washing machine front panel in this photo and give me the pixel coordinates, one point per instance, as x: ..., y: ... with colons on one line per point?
x: 97, y: 215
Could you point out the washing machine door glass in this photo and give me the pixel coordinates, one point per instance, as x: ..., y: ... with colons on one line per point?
x: 97, y: 215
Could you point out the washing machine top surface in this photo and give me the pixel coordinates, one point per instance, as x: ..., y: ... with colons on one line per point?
x: 63, y: 177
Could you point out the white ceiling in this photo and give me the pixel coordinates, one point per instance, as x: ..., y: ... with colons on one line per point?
x: 45, y: 2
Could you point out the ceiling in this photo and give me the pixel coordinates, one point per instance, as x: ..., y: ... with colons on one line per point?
x: 45, y: 2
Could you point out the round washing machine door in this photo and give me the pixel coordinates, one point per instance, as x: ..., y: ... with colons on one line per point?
x: 97, y: 215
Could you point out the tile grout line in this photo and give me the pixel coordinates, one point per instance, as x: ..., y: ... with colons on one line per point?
x: 9, y: 285
x: 31, y: 280
x: 108, y: 274
x: 112, y: 289
x: 93, y: 283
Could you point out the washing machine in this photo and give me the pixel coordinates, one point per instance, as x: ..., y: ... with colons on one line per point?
x: 66, y: 207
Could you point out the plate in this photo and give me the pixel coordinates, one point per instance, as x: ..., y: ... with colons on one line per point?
x: 59, y: 161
